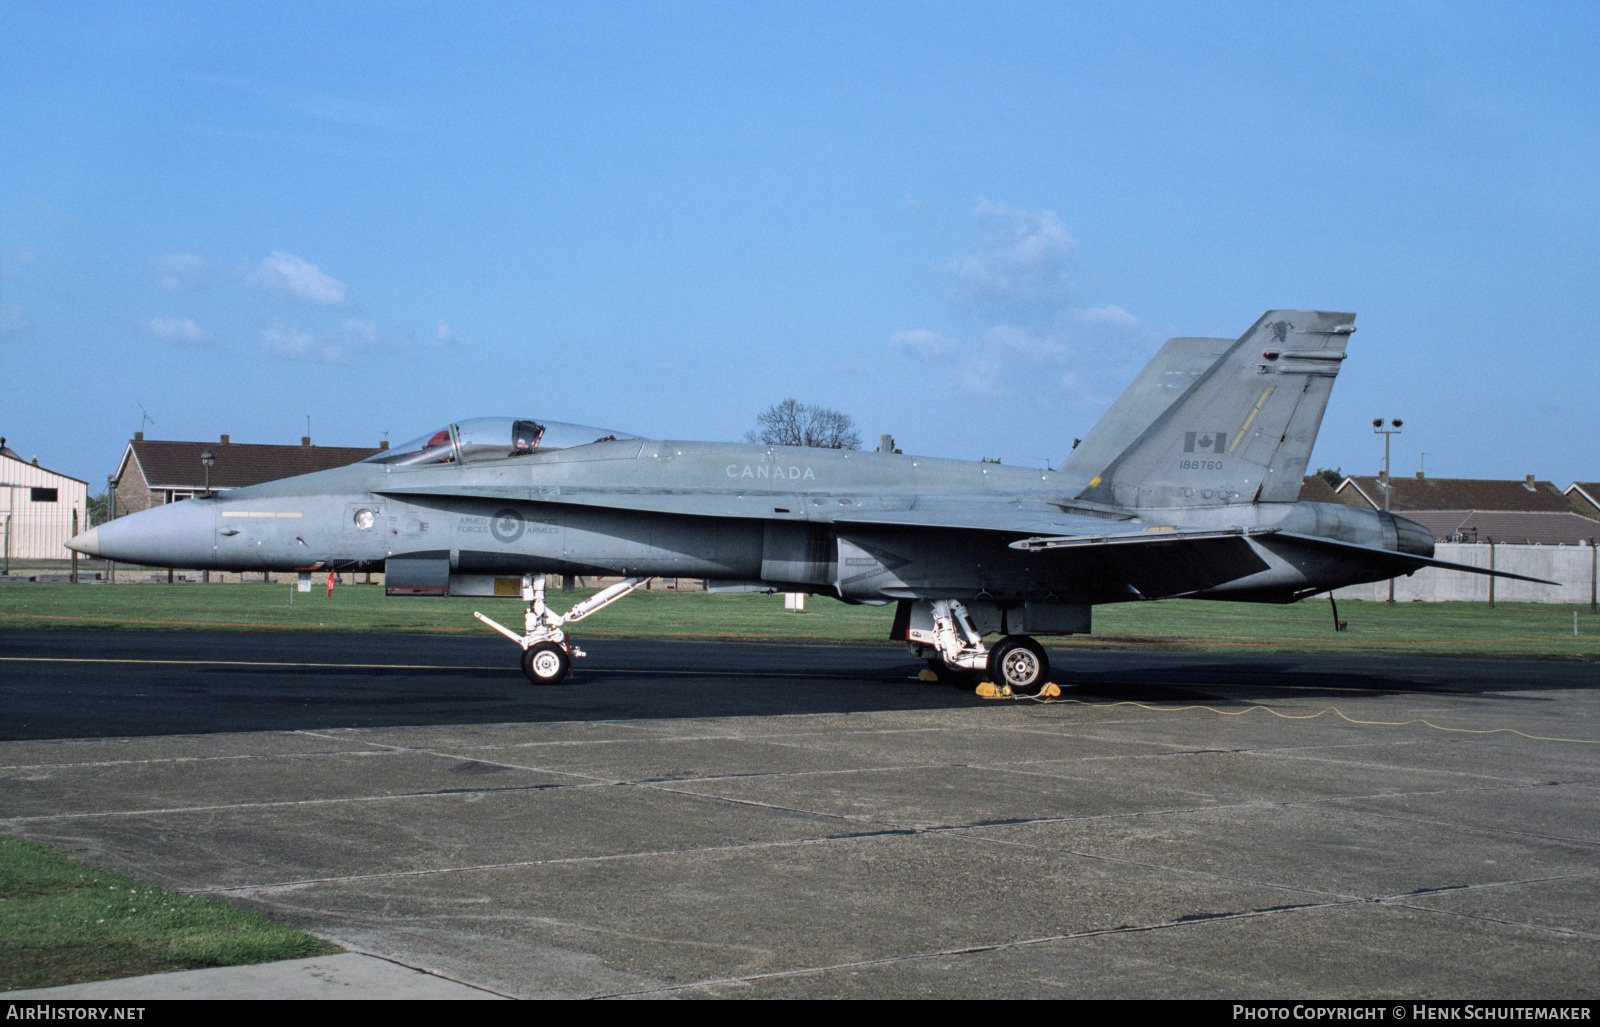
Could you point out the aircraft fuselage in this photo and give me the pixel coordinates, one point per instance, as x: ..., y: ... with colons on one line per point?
x: 787, y: 518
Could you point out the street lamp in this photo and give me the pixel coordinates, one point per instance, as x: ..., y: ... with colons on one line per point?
x: 111, y: 515
x: 1379, y: 429
x: 1388, y: 484
x: 208, y: 458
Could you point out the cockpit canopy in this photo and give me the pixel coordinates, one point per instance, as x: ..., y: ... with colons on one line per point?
x: 492, y: 438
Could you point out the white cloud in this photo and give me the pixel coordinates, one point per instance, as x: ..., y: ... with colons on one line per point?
x: 1027, y: 340
x: 984, y: 378
x: 175, y: 329
x: 299, y: 346
x: 1109, y: 317
x: 14, y: 320
x: 922, y: 342
x: 178, y: 273
x: 299, y: 278
x: 1028, y: 344
x: 325, y: 106
x: 361, y: 329
x: 445, y: 334
x: 1020, y: 267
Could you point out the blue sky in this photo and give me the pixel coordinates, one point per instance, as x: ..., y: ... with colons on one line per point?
x: 965, y: 224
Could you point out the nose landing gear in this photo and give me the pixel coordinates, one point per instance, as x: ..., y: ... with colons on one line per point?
x: 547, y: 652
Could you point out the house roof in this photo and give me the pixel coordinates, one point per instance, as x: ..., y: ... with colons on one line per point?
x: 1512, y: 526
x: 176, y: 465
x: 1408, y: 494
x: 1588, y: 490
x: 9, y: 453
x: 1315, y: 489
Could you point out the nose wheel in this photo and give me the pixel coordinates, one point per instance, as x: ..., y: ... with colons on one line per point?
x: 546, y: 663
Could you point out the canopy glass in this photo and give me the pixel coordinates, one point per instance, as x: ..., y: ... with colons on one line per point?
x: 492, y: 438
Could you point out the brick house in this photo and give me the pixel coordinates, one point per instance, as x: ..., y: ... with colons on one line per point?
x: 1314, y: 489
x: 1529, y: 511
x: 1585, y: 498
x: 153, y: 472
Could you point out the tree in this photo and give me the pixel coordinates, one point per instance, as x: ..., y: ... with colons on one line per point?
x: 1332, y: 475
x: 97, y: 508
x: 792, y: 423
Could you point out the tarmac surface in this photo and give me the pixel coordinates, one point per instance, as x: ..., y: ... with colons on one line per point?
x: 699, y: 819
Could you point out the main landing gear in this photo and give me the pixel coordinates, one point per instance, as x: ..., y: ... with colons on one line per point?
x: 1016, y: 661
x: 547, y: 652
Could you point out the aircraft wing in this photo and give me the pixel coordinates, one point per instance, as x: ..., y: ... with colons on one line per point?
x: 1047, y: 526
x: 968, y: 515
x: 891, y: 511
x: 693, y: 502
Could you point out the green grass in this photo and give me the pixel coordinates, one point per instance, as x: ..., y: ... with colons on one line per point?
x: 1467, y: 629
x: 1470, y: 628
x: 62, y: 922
x: 365, y: 608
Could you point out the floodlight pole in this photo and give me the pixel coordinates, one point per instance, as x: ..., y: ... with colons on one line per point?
x: 1388, y: 480
x: 208, y: 458
x: 111, y: 515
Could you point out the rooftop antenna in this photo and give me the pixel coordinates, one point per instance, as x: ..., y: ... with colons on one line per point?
x: 146, y: 418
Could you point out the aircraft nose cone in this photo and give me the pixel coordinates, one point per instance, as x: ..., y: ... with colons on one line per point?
x: 86, y: 542
x: 178, y: 534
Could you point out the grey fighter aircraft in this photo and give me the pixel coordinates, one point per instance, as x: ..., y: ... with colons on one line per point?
x: 1186, y: 488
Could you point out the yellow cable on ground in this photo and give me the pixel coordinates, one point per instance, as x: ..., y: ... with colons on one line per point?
x: 1044, y: 699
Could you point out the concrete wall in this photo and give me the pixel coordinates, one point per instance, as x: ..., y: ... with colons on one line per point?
x: 1570, y: 565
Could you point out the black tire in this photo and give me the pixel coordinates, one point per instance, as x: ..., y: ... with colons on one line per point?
x: 1020, y: 662
x: 546, y: 663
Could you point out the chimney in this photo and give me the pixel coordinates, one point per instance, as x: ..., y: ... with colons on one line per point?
x: 1383, y: 477
x: 383, y: 444
x: 1419, y: 475
x: 224, y: 440
x: 138, y: 436
x: 1529, y: 484
x: 305, y: 440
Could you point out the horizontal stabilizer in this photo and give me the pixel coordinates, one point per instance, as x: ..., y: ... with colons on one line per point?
x: 1407, y: 561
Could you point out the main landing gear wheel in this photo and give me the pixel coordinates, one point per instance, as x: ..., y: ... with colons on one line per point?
x: 1019, y: 662
x: 546, y: 663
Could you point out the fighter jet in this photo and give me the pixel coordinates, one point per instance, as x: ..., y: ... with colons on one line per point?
x: 1186, y: 488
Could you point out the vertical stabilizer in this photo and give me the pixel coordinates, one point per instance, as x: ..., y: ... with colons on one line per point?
x: 1163, y: 381
x: 1242, y: 430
